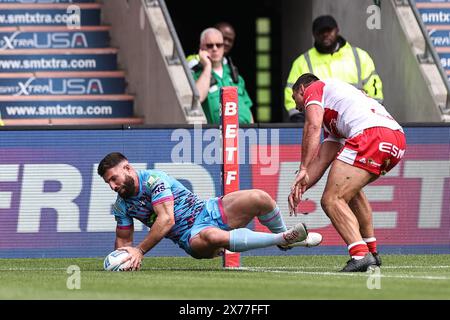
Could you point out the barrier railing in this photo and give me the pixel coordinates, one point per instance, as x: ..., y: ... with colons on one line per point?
x: 429, y: 55
x: 178, y: 56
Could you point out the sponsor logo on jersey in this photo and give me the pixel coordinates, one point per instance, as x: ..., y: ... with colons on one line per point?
x: 158, y: 189
x: 152, y: 180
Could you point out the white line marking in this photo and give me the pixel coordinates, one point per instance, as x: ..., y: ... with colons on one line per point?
x: 342, y: 274
x: 337, y: 266
x: 415, y: 267
x: 286, y: 270
x: 32, y: 269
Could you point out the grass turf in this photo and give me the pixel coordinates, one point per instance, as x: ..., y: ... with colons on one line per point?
x: 260, y: 278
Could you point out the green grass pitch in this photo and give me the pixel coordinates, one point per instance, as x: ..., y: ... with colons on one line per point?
x: 259, y: 278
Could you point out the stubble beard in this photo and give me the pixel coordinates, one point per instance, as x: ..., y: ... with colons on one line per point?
x: 128, y: 189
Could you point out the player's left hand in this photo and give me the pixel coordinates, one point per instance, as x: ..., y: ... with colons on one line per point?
x: 135, y: 257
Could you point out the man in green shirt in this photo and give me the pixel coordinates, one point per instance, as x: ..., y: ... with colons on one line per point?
x: 211, y: 73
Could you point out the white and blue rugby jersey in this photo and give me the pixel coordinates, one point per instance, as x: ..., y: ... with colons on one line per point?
x: 156, y: 187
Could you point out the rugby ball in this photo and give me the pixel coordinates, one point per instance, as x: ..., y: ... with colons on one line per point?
x: 113, y: 261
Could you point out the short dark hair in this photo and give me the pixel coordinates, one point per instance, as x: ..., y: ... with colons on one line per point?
x: 305, y: 79
x: 224, y: 24
x: 110, y: 161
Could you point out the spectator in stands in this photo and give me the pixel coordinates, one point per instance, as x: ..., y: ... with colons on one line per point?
x: 332, y: 57
x: 229, y: 35
x: 212, y: 73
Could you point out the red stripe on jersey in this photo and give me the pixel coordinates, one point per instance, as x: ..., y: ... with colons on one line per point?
x: 330, y: 122
x: 314, y: 94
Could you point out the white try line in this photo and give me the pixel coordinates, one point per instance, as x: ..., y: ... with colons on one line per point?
x: 337, y: 266
x: 342, y: 274
x: 285, y: 270
x: 415, y: 267
x: 32, y: 269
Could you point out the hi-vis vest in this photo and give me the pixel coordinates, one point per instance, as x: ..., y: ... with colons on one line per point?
x: 350, y: 64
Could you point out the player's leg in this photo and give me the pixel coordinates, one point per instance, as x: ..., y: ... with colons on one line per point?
x: 210, y: 241
x: 344, y: 183
x: 237, y: 209
x: 241, y: 207
x: 363, y: 211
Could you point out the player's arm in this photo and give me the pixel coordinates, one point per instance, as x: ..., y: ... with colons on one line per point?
x: 124, y: 227
x: 163, y: 223
x: 311, y: 134
x: 310, y: 144
x: 124, y: 237
x: 204, y: 80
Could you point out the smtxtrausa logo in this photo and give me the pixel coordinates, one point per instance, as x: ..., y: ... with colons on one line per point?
x: 37, y: 40
x: 75, y: 86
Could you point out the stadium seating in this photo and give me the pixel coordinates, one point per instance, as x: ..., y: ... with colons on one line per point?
x: 55, y: 69
x: 436, y: 17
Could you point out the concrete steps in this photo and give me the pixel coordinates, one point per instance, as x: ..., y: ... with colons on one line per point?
x: 436, y: 17
x: 56, y: 69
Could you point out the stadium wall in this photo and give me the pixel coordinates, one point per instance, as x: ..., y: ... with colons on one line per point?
x: 53, y: 204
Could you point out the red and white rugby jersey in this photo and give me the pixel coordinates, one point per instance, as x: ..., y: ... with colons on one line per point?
x: 348, y: 111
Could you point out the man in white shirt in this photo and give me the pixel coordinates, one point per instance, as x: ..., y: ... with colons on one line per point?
x: 361, y: 142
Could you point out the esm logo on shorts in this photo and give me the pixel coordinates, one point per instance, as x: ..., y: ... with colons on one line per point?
x: 391, y: 149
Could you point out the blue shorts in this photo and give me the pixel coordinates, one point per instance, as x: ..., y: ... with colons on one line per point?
x: 212, y: 215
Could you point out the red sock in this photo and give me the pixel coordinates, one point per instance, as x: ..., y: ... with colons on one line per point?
x: 358, y: 250
x: 371, y: 244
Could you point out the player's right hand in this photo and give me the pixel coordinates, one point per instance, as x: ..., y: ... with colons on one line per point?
x: 135, y: 257
x: 297, y: 189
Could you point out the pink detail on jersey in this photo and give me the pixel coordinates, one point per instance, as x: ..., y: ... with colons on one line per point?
x: 222, y: 211
x: 124, y: 227
x: 165, y: 199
